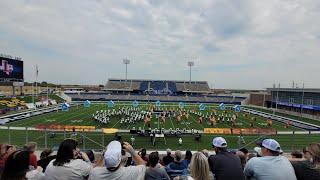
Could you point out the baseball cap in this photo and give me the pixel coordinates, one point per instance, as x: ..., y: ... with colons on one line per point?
x: 112, y: 157
x: 270, y: 144
x: 259, y: 151
x: 219, y: 142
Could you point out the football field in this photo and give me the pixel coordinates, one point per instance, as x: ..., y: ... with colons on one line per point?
x: 82, y: 116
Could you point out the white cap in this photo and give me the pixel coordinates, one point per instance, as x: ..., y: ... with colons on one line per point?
x: 219, y: 142
x: 113, y: 155
x: 259, y: 151
x: 271, y: 144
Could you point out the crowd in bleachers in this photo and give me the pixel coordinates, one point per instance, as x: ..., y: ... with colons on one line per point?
x: 123, y: 162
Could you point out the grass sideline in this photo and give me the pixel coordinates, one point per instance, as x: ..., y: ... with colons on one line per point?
x: 307, y: 120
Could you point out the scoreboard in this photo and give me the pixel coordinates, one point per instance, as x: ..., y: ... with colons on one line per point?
x: 11, y: 69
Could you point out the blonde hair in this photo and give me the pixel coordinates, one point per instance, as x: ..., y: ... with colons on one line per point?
x: 314, y: 150
x: 29, y: 146
x: 199, y: 167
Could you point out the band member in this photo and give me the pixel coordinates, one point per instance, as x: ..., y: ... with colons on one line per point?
x: 187, y: 116
x: 171, y: 111
x: 212, y: 121
x: 163, y: 119
x: 147, y: 120
x: 252, y: 122
x: 200, y: 119
x: 287, y: 124
x: 178, y: 118
x: 269, y: 122
x: 234, y: 121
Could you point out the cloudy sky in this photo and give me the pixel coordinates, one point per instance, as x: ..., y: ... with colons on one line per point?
x: 234, y: 43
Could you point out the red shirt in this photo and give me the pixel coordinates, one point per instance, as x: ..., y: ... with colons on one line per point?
x: 33, y: 161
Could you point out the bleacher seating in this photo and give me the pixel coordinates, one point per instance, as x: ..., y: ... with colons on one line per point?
x: 172, y: 86
x: 181, y: 87
x: 144, y: 85
x: 135, y: 85
x: 158, y: 85
x: 118, y: 85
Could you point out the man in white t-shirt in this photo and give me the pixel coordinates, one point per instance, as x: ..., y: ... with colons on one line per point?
x: 113, y: 170
x: 271, y: 165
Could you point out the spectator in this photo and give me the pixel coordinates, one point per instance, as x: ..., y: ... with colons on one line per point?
x: 310, y: 168
x: 177, y: 165
x: 113, y: 170
x: 245, y: 152
x: 251, y: 155
x: 296, y: 155
x: 143, y: 154
x: 306, y: 154
x: 67, y: 165
x: 225, y: 164
x: 258, y: 151
x: 187, y: 158
x: 90, y: 154
x: 271, y: 165
x: 45, y: 158
x: 199, y: 168
x: 155, y: 172
x: 17, y: 167
x: 206, y: 153
x: 168, y: 159
x: 31, y: 147
x: 243, y: 158
x: 3, y: 149
x: 6, y: 150
x: 124, y: 158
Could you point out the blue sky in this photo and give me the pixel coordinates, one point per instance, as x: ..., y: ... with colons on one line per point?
x: 245, y: 44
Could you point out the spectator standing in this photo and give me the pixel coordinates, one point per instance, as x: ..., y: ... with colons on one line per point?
x: 31, y: 147
x: 17, y: 168
x: 113, y: 170
x: 155, y: 172
x: 187, y: 158
x: 45, y: 158
x: 168, y: 158
x: 310, y: 168
x: 271, y: 165
x: 225, y: 164
x: 68, y: 164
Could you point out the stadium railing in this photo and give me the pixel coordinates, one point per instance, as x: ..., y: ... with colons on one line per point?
x: 97, y: 140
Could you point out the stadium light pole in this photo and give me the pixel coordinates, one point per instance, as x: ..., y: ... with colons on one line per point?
x: 190, y: 64
x: 126, y: 62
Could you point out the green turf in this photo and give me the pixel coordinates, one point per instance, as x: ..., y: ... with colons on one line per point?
x: 94, y: 140
x: 83, y: 116
x: 311, y: 121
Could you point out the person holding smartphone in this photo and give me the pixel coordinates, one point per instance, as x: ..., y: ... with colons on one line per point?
x: 113, y: 168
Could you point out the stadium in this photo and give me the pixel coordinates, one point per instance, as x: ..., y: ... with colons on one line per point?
x: 212, y: 90
x: 126, y: 108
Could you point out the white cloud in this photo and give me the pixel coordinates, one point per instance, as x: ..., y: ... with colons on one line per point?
x: 235, y: 44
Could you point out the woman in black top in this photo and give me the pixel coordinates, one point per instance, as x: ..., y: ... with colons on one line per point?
x: 310, y: 168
